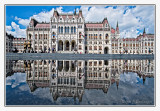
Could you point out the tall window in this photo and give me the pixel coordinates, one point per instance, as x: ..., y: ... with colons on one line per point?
x: 95, y: 47
x: 90, y: 47
x: 100, y: 36
x: 53, y: 35
x: 44, y: 36
x: 96, y: 36
x: 61, y: 29
x: 80, y: 47
x: 36, y: 36
x: 71, y: 30
x: 91, y: 36
x: 30, y: 36
x: 106, y: 36
x: 100, y: 47
x: 65, y: 29
x: 74, y: 29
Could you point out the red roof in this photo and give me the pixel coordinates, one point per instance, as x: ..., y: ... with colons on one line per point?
x: 94, y: 25
x: 112, y: 30
x: 150, y: 36
x: 43, y: 25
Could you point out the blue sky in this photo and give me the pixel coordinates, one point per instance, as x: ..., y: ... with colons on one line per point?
x: 131, y: 19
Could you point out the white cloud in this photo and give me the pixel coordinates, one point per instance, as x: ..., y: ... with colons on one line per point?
x: 8, y: 28
x: 133, y: 19
x: 24, y: 22
x: 18, y: 78
x: 15, y: 30
x: 42, y: 16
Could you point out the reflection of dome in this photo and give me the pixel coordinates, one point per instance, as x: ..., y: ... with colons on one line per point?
x: 55, y: 97
x: 33, y: 87
x: 105, y: 89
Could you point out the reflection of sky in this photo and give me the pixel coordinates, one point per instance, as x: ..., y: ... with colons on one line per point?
x: 131, y: 91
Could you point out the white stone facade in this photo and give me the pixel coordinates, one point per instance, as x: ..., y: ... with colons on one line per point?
x: 69, y: 33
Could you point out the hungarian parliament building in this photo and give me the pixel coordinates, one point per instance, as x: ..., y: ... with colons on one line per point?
x: 69, y: 33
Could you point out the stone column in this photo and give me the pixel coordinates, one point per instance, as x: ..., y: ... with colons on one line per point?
x: 57, y: 45
x: 70, y: 47
x: 63, y: 46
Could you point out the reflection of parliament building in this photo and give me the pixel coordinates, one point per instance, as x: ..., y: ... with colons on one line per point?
x: 70, y: 78
x: 69, y: 33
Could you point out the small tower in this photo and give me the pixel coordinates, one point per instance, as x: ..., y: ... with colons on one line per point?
x: 117, y: 28
x: 117, y: 31
x: 144, y: 33
x: 75, y: 11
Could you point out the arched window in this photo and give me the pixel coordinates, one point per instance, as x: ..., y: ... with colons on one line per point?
x: 46, y: 36
x: 91, y: 36
x: 71, y: 30
x: 106, y: 36
x: 80, y: 20
x: 100, y: 36
x: 36, y: 36
x: 90, y: 47
x: 53, y: 35
x: 65, y: 29
x: 74, y: 29
x: 30, y: 36
x: 80, y: 34
x: 61, y: 29
x: 106, y: 25
x: 94, y: 36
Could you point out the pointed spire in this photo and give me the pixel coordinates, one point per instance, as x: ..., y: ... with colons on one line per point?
x: 117, y: 28
x: 144, y: 30
x: 117, y: 23
x: 117, y: 83
x: 144, y: 33
x: 75, y: 11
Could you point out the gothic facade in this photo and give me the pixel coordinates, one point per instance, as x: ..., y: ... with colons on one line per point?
x: 69, y: 33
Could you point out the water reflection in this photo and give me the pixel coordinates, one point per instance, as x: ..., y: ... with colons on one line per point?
x: 71, y: 78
